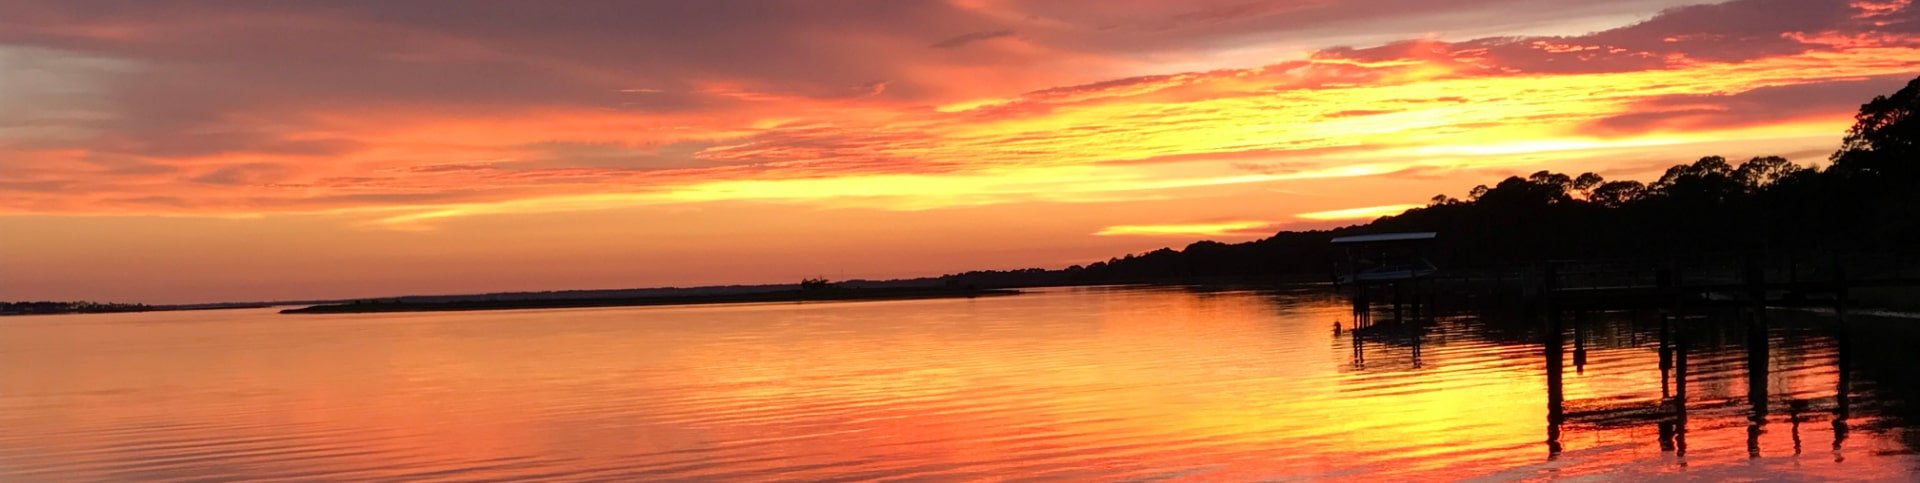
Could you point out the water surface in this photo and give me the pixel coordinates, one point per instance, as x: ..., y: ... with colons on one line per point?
x: 1087, y: 383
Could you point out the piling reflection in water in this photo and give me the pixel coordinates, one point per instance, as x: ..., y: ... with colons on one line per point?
x: 1816, y: 348
x: 1097, y: 384
x: 1758, y: 349
x: 1774, y: 365
x: 1556, y: 395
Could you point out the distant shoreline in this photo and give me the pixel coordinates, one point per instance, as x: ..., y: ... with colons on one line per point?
x: 141, y: 309
x: 824, y: 295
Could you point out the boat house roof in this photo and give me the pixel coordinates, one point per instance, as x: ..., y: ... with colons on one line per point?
x: 1386, y: 237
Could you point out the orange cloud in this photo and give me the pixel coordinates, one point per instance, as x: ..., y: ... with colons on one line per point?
x: 1362, y: 213
x: 1183, y: 230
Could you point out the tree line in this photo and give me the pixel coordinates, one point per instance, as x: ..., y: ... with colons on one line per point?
x: 64, y: 307
x: 1865, y: 200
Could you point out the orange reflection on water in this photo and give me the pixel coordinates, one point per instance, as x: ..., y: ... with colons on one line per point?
x: 1074, y: 383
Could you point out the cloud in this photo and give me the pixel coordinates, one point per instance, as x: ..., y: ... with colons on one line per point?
x: 242, y: 174
x: 1362, y: 213
x: 1184, y: 230
x: 1734, y: 31
x: 1832, y: 99
x: 964, y: 39
x: 1163, y: 29
x: 1358, y: 113
x: 39, y: 186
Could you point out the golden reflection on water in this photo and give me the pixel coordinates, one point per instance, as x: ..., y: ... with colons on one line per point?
x: 1094, y: 383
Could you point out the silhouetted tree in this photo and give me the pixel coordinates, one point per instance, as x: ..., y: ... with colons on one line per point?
x: 1875, y: 173
x: 1586, y: 182
x: 1885, y: 137
x: 1758, y: 173
x: 1615, y: 194
x: 1709, y: 180
x: 1549, y: 180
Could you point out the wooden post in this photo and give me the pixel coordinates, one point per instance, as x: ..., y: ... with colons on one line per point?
x: 1398, y: 294
x: 1579, y: 342
x: 1840, y: 286
x: 1433, y: 300
x: 1666, y: 382
x: 1842, y: 357
x: 1758, y: 346
x: 1414, y: 294
x: 1666, y: 357
x: 1359, y: 349
x: 1793, y: 269
x: 1680, y: 392
x: 1362, y: 307
x: 1556, y: 399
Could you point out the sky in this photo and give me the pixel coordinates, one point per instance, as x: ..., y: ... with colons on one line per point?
x: 197, y: 151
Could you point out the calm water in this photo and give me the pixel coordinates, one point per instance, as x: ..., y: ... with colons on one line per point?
x: 1060, y: 384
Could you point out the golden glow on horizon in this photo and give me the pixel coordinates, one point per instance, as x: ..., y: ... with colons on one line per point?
x: 1365, y: 213
x: 1223, y: 228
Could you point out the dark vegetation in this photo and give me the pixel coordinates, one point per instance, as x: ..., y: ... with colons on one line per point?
x: 812, y: 290
x: 1867, y: 200
x: 49, y: 307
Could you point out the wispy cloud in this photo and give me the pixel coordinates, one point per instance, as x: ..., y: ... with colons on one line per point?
x: 1362, y: 213
x: 964, y: 39
x: 1183, y: 230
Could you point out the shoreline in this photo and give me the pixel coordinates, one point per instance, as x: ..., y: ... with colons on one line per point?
x: 154, y: 308
x: 1876, y: 302
x: 796, y: 296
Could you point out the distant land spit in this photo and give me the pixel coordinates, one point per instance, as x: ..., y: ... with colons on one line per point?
x: 807, y: 293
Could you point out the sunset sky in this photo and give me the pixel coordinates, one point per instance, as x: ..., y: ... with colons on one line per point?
x: 211, y: 151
